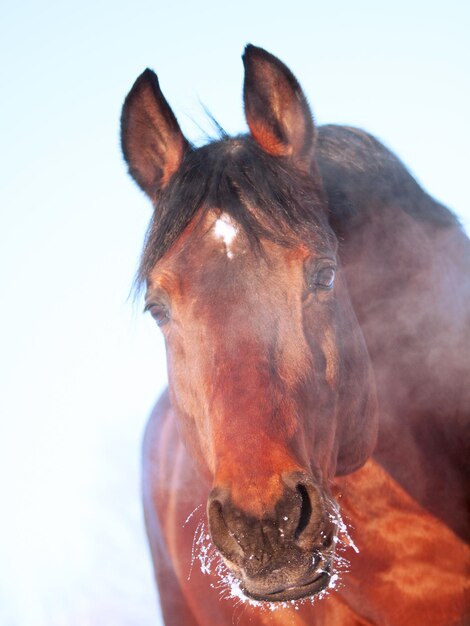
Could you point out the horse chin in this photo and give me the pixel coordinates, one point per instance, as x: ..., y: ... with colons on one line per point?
x: 292, y: 593
x: 279, y: 586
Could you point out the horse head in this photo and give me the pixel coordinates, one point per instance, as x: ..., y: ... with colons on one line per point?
x: 269, y: 376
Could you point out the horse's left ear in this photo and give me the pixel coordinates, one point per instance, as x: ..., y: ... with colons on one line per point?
x: 151, y: 139
x: 276, y: 108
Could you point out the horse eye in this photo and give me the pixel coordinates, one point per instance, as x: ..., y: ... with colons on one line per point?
x: 159, y: 312
x: 325, y: 278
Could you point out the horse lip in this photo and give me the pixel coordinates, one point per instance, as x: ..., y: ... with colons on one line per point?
x: 295, y: 592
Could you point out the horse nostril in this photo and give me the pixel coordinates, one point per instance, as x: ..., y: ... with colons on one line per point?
x: 216, y: 519
x: 305, y: 510
x: 222, y: 536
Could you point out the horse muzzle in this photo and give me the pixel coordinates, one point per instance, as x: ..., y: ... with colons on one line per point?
x: 286, y: 554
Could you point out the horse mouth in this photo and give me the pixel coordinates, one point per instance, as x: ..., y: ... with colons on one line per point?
x: 294, y: 592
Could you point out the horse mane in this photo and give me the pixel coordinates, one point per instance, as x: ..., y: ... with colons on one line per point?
x: 269, y: 198
x: 266, y: 196
x: 361, y: 176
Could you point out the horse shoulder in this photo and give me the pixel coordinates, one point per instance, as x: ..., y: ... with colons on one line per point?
x: 160, y: 449
x: 411, y: 568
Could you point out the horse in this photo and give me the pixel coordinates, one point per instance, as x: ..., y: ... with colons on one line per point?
x: 308, y: 463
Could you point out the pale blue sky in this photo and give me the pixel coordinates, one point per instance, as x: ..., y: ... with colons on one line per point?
x: 80, y: 367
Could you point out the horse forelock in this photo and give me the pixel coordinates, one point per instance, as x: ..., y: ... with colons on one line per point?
x: 267, y: 197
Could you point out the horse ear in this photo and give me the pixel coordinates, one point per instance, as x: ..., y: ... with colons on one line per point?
x: 152, y: 142
x: 276, y: 108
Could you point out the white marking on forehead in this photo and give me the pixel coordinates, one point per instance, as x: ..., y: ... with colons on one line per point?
x: 226, y: 230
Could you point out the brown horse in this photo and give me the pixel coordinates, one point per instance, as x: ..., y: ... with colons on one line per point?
x: 314, y: 302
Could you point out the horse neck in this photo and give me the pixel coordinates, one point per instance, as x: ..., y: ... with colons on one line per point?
x: 410, y: 292
x: 408, y: 285
x: 406, y: 263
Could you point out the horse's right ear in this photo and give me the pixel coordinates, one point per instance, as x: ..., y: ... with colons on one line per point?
x: 152, y: 142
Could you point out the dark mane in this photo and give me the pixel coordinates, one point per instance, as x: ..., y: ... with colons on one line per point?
x: 361, y: 176
x: 265, y: 195
x: 271, y: 199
